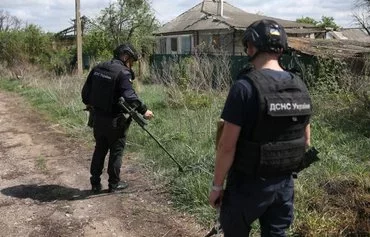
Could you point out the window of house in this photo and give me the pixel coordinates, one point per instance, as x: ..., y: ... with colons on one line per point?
x: 186, y: 44
x: 174, y: 44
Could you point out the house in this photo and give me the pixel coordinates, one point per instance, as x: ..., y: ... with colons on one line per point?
x: 69, y: 34
x: 66, y: 39
x: 353, y: 34
x: 335, y: 48
x: 215, y: 26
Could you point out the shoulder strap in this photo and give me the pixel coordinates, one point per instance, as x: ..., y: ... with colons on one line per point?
x: 256, y: 78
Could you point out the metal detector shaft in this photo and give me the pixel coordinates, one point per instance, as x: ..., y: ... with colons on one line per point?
x: 160, y: 144
x: 142, y: 122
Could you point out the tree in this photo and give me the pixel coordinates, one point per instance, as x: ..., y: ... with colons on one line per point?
x: 326, y: 22
x: 307, y: 20
x: 361, y: 14
x: 9, y: 22
x: 97, y: 44
x: 128, y: 20
x: 36, y: 44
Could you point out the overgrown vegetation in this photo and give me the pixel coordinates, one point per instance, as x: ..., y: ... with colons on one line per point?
x: 122, y: 21
x: 332, y: 196
x: 22, y: 45
x: 29, y: 45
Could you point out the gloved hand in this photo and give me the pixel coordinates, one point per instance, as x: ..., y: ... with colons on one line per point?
x: 148, y: 115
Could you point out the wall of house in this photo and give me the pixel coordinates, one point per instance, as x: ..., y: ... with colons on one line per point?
x: 175, y: 44
x: 216, y: 42
x: 213, y: 42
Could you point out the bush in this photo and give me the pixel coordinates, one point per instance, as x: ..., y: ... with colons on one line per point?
x: 60, y: 62
x: 30, y: 45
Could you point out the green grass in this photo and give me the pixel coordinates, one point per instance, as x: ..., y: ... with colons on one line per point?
x: 41, y: 164
x: 58, y: 101
x: 341, y: 136
x: 331, y: 195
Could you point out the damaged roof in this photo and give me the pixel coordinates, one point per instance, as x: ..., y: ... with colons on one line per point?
x: 333, y: 48
x: 204, y: 17
x: 357, y: 34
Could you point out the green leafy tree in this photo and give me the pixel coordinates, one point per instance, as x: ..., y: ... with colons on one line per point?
x: 21, y: 44
x: 124, y: 21
x: 37, y: 44
x: 97, y: 44
x: 27, y: 44
x: 361, y: 14
x: 10, y: 38
x: 326, y: 22
x: 307, y: 20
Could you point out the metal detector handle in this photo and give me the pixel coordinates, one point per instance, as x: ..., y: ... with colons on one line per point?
x: 132, y: 112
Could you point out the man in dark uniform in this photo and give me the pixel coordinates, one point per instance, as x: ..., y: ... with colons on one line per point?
x: 106, y: 83
x: 265, y: 135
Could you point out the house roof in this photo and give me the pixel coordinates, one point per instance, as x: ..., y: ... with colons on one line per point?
x: 334, y: 47
x: 351, y: 34
x: 204, y: 17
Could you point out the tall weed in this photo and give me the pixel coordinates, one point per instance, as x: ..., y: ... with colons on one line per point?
x: 190, y: 82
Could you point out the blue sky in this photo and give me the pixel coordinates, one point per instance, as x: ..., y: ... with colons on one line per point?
x: 56, y: 15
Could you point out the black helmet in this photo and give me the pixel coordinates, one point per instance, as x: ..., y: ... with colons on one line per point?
x: 128, y: 49
x: 266, y: 36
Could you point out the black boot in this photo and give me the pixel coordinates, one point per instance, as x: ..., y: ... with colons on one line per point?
x: 96, y: 188
x: 116, y: 187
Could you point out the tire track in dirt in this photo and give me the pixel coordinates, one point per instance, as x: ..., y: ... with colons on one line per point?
x: 44, y: 180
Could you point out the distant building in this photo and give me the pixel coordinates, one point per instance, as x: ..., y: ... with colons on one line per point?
x: 355, y: 34
x: 343, y: 43
x: 216, y: 26
x: 67, y: 37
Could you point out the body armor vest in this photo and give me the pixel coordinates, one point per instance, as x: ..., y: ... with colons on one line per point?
x: 104, y: 86
x: 277, y: 145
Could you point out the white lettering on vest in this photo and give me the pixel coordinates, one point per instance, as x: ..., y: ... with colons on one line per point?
x: 289, y: 106
x: 301, y: 106
x: 280, y: 106
x: 102, y: 75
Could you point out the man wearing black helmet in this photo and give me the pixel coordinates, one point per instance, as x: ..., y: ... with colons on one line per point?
x: 264, y: 138
x: 105, y: 84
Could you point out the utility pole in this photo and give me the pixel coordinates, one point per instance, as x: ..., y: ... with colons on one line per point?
x: 79, y: 38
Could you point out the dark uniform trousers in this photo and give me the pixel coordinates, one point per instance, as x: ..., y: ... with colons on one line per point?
x: 247, y: 199
x: 110, y: 139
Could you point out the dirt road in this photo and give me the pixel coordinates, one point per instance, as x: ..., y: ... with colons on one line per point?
x: 44, y: 184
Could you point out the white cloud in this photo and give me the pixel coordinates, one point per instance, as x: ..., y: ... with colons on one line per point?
x: 22, y: 3
x: 56, y: 15
x: 24, y: 15
x: 341, y: 10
